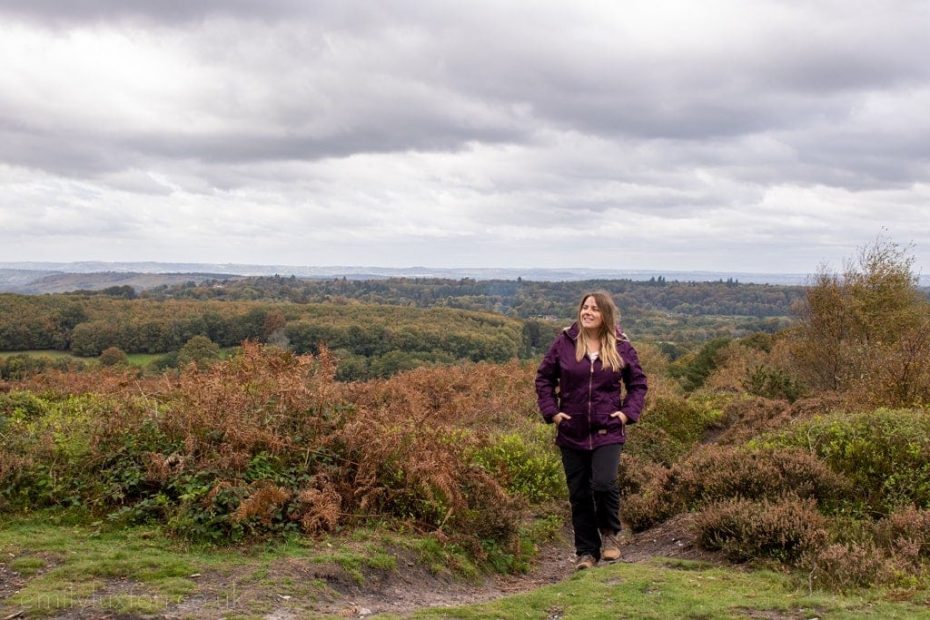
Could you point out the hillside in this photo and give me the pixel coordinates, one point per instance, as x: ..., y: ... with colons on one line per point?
x: 789, y: 452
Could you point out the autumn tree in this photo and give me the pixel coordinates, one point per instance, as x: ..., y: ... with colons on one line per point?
x: 866, y: 331
x: 111, y: 356
x: 199, y: 350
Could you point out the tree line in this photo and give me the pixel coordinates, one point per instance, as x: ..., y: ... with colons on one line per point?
x: 519, y: 298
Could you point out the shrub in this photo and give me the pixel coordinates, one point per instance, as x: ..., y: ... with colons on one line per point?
x: 783, y: 530
x: 748, y: 417
x: 111, y: 356
x: 692, y: 370
x: 906, y: 531
x: 200, y: 351
x: 754, y: 365
x: 670, y: 428
x: 531, y: 469
x: 771, y: 382
x: 851, y: 565
x: 680, y: 418
x: 267, y: 442
x: 635, y: 473
x: 884, y: 453
x: 714, y: 474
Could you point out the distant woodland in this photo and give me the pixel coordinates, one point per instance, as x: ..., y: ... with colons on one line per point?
x: 377, y: 328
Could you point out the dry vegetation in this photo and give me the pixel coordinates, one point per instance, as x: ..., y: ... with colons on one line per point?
x: 779, y: 443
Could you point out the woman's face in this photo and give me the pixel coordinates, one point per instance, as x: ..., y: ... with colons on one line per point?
x: 591, y: 314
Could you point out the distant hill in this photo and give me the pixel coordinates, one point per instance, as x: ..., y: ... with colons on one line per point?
x: 39, y: 282
x: 35, y: 277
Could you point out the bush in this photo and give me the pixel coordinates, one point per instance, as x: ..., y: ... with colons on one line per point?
x: 268, y: 442
x: 906, y: 531
x: 692, y: 370
x: 200, y: 351
x: 111, y: 356
x: 531, y: 469
x: 851, y: 565
x: 670, y: 428
x: 783, y: 530
x: 754, y: 365
x: 884, y: 453
x: 891, y: 551
x: 714, y: 474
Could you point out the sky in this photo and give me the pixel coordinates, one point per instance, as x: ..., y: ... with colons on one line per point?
x: 727, y: 136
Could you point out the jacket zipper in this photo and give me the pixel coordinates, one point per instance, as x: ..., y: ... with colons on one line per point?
x: 590, y: 384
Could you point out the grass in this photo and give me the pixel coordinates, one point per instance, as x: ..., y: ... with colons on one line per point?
x: 662, y: 588
x: 66, y: 563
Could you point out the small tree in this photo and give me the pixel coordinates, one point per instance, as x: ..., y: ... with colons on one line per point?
x: 111, y: 356
x: 867, y: 331
x: 199, y: 350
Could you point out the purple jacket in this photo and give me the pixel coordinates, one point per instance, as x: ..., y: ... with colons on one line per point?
x: 588, y: 392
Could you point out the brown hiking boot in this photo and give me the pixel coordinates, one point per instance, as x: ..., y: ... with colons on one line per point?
x: 585, y: 561
x: 610, y: 548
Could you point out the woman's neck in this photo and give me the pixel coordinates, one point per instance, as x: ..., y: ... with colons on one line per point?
x: 592, y: 341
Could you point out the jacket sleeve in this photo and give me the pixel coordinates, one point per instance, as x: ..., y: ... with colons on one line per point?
x: 547, y: 379
x: 634, y: 380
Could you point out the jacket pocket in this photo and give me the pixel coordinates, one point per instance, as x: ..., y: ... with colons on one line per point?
x: 571, y: 427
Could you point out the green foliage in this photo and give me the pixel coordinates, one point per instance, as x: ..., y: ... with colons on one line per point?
x: 19, y: 366
x: 111, y: 356
x: 770, y: 382
x: 693, y: 370
x: 885, y: 453
x: 528, y: 468
x: 671, y: 427
x: 200, y: 351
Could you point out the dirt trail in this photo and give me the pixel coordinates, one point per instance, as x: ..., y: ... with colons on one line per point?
x: 404, y: 591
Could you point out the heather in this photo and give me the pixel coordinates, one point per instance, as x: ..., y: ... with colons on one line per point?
x: 268, y: 442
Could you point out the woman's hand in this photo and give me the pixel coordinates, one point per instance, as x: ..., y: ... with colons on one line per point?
x: 621, y: 415
x: 557, y: 418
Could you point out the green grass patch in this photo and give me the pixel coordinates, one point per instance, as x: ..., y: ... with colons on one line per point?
x: 27, y: 565
x: 656, y: 589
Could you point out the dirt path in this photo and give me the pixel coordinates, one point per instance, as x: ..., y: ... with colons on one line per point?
x: 407, y: 591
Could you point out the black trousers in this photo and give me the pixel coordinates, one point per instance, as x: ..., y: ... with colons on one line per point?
x: 593, y: 493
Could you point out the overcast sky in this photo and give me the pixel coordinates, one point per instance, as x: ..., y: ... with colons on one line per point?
x: 729, y: 136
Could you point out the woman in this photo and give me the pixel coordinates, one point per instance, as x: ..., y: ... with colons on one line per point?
x: 578, y: 386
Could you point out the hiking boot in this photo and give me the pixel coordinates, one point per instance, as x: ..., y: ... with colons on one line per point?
x: 584, y: 561
x: 610, y: 548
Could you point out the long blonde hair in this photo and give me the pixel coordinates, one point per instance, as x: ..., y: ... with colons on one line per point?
x: 610, y: 318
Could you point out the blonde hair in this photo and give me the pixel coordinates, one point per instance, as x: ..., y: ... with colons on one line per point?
x: 610, y: 318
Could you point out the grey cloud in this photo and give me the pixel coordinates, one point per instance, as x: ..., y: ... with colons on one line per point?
x: 166, y: 11
x: 505, y: 113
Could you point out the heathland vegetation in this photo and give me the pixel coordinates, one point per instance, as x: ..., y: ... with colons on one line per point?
x: 805, y: 450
